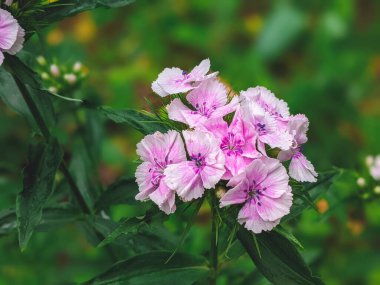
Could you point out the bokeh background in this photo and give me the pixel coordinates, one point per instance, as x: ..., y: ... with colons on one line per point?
x: 322, y: 57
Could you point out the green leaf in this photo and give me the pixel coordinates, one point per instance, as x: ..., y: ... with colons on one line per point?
x: 39, y: 175
x: 280, y: 261
x: 279, y: 229
x: 150, y: 269
x: 12, y: 97
x: 120, y: 192
x: 142, y: 122
x: 68, y: 8
x: 313, y: 191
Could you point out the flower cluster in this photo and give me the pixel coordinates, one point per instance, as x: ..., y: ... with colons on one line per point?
x: 12, y: 35
x: 227, y: 143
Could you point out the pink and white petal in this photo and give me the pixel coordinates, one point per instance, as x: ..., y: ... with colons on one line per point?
x: 252, y: 221
x: 282, y: 140
x: 18, y: 44
x: 156, y: 87
x: 211, y: 94
x: 271, y: 209
x: 236, y: 164
x: 211, y: 175
x: 170, y: 81
x: 182, y: 178
x: 218, y: 127
x: 8, y: 30
x: 237, y: 179
x: 301, y: 169
x: 174, y: 147
x: 200, y: 70
x: 285, y: 155
x: 1, y: 58
x: 236, y: 195
x: 164, y: 198
x: 143, y: 179
x: 299, y: 125
x: 179, y: 112
x: 277, y: 180
x: 257, y: 171
x: 201, y: 142
x: 226, y: 109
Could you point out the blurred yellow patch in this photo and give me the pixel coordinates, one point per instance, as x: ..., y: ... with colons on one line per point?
x: 322, y: 206
x: 356, y: 227
x: 253, y: 24
x: 55, y: 37
x: 84, y: 28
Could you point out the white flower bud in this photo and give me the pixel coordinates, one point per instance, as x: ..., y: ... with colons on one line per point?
x: 361, y: 182
x: 41, y: 60
x: 70, y: 78
x: 376, y: 190
x: 369, y: 160
x: 8, y: 2
x: 77, y: 66
x: 53, y: 89
x: 54, y: 70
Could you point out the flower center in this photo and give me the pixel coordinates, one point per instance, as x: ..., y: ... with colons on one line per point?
x: 261, y: 129
x: 254, y: 193
x: 157, y: 171
x: 199, y: 161
x: 203, y: 110
x: 232, y: 145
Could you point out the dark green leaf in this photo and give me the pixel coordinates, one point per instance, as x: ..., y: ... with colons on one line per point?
x: 142, y: 122
x: 120, y: 192
x: 280, y: 261
x: 67, y: 8
x: 39, y: 175
x: 150, y: 269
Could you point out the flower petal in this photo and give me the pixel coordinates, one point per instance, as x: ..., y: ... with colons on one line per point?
x: 143, y: 180
x: 164, y: 197
x: 236, y: 195
x: 8, y: 30
x: 271, y: 209
x: 301, y: 169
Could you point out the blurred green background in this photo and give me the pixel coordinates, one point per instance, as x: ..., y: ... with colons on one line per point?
x: 322, y: 57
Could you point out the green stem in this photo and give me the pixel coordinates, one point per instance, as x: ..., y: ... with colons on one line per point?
x: 46, y: 133
x: 214, y: 242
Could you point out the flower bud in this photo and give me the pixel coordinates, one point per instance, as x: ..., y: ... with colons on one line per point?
x: 54, y: 70
x: 45, y: 75
x: 8, y: 2
x: 70, y: 78
x: 361, y: 182
x: 369, y: 160
x: 376, y: 190
x: 53, y: 89
x: 41, y: 60
x: 77, y: 66
x: 220, y: 191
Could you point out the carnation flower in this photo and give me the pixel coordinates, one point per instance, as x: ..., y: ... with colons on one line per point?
x: 264, y: 191
x: 209, y: 101
x: 300, y: 168
x: 237, y: 142
x: 158, y: 151
x: 11, y: 35
x: 204, y: 169
x: 175, y: 80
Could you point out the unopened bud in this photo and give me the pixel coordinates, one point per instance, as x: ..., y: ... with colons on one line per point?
x: 361, y: 182
x: 53, y: 89
x: 70, y: 78
x: 41, y: 60
x: 45, y: 75
x: 220, y: 191
x: 8, y: 2
x: 77, y: 66
x: 54, y: 70
x: 369, y: 160
x: 376, y: 190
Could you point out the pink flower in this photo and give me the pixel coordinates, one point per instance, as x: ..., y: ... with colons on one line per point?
x: 264, y: 190
x: 8, y: 2
x: 300, y: 168
x: 11, y: 35
x: 267, y: 129
x: 209, y: 101
x: 237, y: 142
x: 158, y: 151
x: 204, y: 170
x: 175, y: 80
x: 267, y: 100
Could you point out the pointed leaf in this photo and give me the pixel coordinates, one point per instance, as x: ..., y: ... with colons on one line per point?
x: 39, y: 175
x: 150, y: 269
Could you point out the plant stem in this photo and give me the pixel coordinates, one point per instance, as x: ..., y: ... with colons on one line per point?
x: 214, y: 242
x: 46, y: 133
